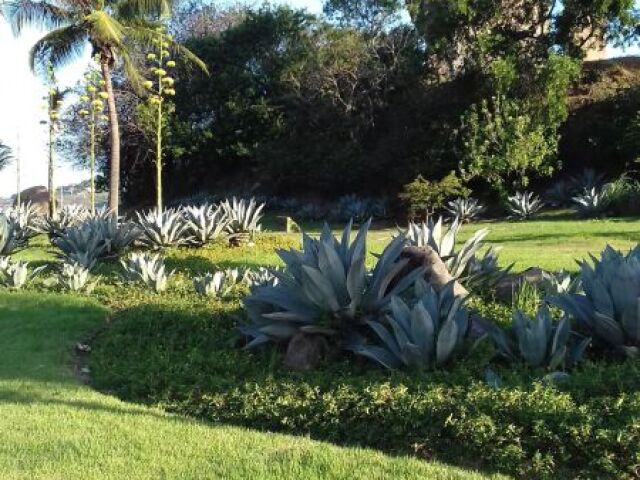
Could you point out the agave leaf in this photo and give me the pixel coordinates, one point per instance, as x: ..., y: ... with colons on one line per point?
x: 319, y: 290
x: 631, y: 321
x: 379, y: 355
x: 423, y: 329
x: 577, y: 352
x: 386, y: 337
x: 561, y: 337
x: 608, y: 329
x: 447, y: 341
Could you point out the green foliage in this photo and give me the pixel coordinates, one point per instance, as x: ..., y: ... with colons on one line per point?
x: 609, y: 308
x: 624, y: 195
x: 425, y: 197
x: 6, y: 155
x: 503, y: 144
x: 585, y: 427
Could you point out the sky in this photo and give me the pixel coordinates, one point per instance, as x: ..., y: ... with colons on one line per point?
x: 21, y: 99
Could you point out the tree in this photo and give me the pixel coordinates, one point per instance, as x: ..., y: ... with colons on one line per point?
x: 113, y: 28
x: 6, y: 155
x: 54, y: 101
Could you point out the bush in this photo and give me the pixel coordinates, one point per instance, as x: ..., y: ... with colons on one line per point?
x: 425, y: 197
x: 624, y: 195
x: 174, y: 354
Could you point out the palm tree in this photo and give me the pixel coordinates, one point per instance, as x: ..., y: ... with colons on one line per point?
x: 112, y: 28
x: 6, y: 155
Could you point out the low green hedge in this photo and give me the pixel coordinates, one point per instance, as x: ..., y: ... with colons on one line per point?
x: 176, y: 354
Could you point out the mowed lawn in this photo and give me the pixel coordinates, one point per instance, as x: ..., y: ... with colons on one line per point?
x: 53, y: 427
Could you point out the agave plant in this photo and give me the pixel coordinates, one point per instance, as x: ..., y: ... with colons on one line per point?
x: 465, y: 209
x: 485, y: 272
x: 163, y: 228
x: 593, y: 202
x: 524, y: 205
x: 82, y: 245
x: 16, y: 274
x: 560, y: 283
x: 609, y: 308
x: 148, y: 269
x: 422, y: 337
x: 211, y: 284
x: 117, y: 235
x: 67, y: 217
x: 5, y: 262
x: 243, y: 218
x: 325, y: 288
x: 261, y: 277
x: 10, y: 240
x: 351, y: 207
x: 75, y: 278
x: 205, y: 223
x: 559, y: 194
x: 586, y: 180
x: 236, y: 276
x: 464, y: 264
x: 359, y: 209
x: 311, y: 211
x: 539, y: 342
x: 26, y: 221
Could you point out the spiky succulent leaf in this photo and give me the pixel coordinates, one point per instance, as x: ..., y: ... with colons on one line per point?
x: 540, y: 342
x: 524, y: 205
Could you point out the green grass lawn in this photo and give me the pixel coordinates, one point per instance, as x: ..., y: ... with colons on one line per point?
x: 54, y: 427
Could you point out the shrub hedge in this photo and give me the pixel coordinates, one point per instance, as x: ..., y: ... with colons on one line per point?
x: 174, y: 353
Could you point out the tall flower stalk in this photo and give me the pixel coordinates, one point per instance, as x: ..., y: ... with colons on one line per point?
x: 92, y: 111
x: 160, y: 87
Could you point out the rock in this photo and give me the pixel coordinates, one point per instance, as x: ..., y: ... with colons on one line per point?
x: 38, y: 197
x: 437, y: 273
x: 305, y: 352
x: 506, y: 288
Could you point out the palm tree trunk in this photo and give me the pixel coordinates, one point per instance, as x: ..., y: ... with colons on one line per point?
x: 92, y: 165
x: 114, y: 166
x: 52, y: 188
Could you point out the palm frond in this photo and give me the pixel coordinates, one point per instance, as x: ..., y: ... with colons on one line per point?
x: 134, y: 9
x: 6, y: 155
x: 59, y: 46
x: 26, y: 13
x: 145, y: 33
x: 104, y: 29
x: 131, y: 70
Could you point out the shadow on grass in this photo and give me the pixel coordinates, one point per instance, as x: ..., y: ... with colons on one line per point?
x: 192, y: 364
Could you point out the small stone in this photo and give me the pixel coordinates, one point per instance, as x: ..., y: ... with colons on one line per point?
x: 83, y: 347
